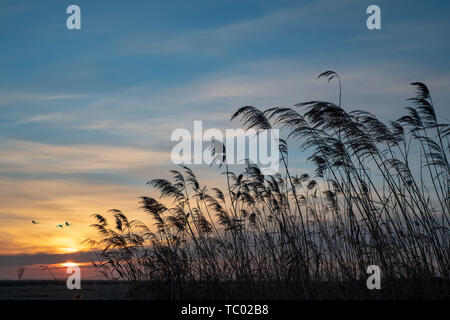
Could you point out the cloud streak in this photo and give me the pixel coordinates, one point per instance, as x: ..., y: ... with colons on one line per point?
x: 28, y: 157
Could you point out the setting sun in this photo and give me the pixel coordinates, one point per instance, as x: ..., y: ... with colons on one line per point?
x: 69, y: 264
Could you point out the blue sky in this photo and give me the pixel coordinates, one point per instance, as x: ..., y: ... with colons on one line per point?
x: 86, y: 115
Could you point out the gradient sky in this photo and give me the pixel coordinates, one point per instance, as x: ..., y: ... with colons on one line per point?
x: 86, y: 115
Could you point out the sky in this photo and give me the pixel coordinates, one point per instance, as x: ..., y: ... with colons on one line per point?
x: 86, y: 115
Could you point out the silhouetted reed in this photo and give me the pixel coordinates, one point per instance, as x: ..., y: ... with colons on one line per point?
x: 380, y: 195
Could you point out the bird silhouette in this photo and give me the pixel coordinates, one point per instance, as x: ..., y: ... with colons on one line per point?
x: 60, y: 226
x: 68, y: 224
x: 34, y: 222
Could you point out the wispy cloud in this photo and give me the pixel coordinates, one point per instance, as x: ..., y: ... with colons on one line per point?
x: 220, y: 39
x: 50, y: 117
x: 39, y: 258
x: 37, y: 96
x: 29, y: 157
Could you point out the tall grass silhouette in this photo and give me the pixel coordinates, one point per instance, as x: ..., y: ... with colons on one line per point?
x: 380, y: 195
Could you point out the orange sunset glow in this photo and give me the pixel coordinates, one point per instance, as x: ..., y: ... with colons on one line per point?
x: 54, y: 203
x: 70, y: 264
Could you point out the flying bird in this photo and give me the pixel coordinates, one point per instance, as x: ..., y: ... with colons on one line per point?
x: 60, y: 226
x: 68, y: 224
x: 34, y: 222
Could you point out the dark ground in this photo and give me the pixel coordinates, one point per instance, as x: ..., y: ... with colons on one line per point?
x: 57, y: 290
x: 120, y: 290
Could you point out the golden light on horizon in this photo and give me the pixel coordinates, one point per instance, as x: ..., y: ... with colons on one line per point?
x: 69, y: 264
x: 69, y: 250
